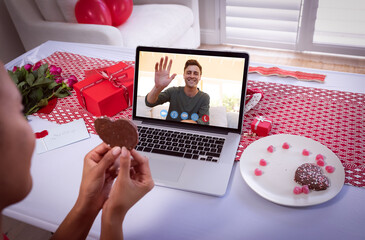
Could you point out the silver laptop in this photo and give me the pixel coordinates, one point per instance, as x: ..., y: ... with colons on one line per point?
x: 188, y: 106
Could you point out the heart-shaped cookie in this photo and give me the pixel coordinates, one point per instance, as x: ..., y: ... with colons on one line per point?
x: 121, y: 132
x: 311, y: 175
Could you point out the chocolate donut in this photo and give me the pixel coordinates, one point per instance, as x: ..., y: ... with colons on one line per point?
x: 121, y: 132
x: 311, y: 175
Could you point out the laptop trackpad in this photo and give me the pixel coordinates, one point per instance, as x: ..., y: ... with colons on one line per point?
x: 166, y: 170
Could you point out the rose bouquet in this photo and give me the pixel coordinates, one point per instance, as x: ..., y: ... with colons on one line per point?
x: 38, y: 84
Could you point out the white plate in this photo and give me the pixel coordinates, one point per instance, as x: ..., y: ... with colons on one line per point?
x: 276, y: 183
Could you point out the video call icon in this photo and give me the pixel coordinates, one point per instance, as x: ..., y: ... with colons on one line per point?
x: 184, y: 115
x: 205, y: 118
x: 194, y: 117
x: 174, y: 114
x: 163, y: 113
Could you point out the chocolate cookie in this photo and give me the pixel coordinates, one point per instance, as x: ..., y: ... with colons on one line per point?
x: 121, y: 132
x: 311, y: 175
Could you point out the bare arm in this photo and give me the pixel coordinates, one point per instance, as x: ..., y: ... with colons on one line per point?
x: 76, y: 225
x: 162, y: 79
x: 98, y: 174
x: 97, y: 191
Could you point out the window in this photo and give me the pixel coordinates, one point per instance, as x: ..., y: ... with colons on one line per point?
x: 332, y: 26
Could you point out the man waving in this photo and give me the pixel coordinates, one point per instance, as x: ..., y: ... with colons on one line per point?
x: 188, y: 103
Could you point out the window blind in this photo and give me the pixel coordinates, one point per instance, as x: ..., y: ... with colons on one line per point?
x: 340, y: 22
x: 262, y: 22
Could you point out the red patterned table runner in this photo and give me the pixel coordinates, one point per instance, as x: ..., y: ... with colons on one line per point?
x: 333, y: 118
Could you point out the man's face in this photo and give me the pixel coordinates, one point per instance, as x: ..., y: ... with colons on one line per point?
x: 192, y: 76
x: 16, y: 144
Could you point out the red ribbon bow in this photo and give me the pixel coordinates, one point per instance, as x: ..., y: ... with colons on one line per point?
x: 114, y: 78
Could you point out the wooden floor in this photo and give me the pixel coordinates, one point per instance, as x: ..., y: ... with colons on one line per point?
x: 16, y: 230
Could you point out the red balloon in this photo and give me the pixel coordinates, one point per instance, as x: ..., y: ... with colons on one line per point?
x: 120, y: 10
x: 93, y: 12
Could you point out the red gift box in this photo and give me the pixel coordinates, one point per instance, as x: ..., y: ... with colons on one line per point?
x: 261, y: 126
x: 106, y: 91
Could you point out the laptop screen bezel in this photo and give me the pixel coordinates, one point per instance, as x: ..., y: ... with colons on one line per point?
x: 241, y: 55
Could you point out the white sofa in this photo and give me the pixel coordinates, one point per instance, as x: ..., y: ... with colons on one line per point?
x: 164, y: 23
x: 218, y: 116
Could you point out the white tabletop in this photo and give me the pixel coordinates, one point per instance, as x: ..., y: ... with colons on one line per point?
x: 173, y: 214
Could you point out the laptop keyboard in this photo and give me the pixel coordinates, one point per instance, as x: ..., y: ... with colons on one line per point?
x: 179, y: 144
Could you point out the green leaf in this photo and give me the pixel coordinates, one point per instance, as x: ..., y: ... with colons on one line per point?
x: 53, y: 85
x: 35, y: 74
x: 59, y: 89
x: 25, y: 92
x: 30, y: 79
x: 36, y: 94
x: 39, y: 79
x: 20, y: 74
x: 42, y: 70
x: 42, y: 81
x: 28, y: 104
x: 13, y: 77
x: 20, y: 86
x: 47, y: 92
x: 61, y: 93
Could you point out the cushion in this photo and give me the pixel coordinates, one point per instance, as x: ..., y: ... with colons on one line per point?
x: 67, y: 8
x: 157, y: 24
x: 50, y: 10
x: 188, y: 40
x: 218, y: 116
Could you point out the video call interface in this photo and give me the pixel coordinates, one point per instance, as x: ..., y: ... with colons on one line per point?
x: 219, y: 83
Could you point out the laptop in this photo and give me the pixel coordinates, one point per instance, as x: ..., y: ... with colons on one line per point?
x: 191, y: 133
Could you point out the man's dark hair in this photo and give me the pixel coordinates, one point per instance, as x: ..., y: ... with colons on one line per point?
x: 193, y: 62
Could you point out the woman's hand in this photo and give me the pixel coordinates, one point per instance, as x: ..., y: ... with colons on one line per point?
x: 100, y: 169
x: 133, y: 182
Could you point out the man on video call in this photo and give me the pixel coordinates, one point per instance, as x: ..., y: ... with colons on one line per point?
x: 188, y: 103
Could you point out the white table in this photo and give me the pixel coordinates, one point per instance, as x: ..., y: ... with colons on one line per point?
x: 172, y: 214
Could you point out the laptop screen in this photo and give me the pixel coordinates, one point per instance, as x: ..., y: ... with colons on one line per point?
x: 205, y: 88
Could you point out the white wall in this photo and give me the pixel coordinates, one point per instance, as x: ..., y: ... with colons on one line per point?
x: 209, y: 21
x: 10, y: 44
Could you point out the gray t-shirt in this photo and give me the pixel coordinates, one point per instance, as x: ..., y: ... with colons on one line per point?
x: 180, y: 103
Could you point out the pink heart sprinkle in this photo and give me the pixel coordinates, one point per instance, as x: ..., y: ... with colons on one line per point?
x: 297, y: 190
x: 305, y: 189
x: 305, y: 152
x: 263, y: 162
x: 319, y: 157
x: 286, y: 145
x: 258, y: 172
x: 270, y: 149
x: 320, y: 163
x: 330, y: 169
